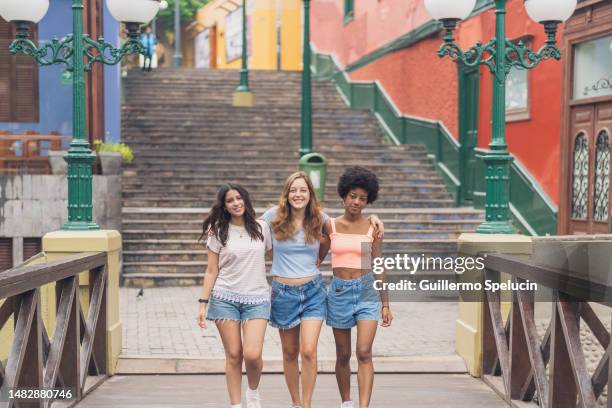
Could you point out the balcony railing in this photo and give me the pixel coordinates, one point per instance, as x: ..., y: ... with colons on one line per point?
x: 27, y: 153
x: 74, y: 358
x: 550, y: 370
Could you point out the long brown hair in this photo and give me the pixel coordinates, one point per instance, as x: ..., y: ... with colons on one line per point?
x: 218, y: 219
x: 313, y: 221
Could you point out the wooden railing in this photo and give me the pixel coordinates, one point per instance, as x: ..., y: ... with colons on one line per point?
x: 75, y: 357
x: 551, y: 371
x: 23, y: 154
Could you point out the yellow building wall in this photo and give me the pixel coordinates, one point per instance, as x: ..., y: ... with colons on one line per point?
x: 263, y: 35
x: 291, y: 35
x: 262, y: 16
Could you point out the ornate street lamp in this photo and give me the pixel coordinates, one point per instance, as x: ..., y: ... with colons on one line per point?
x: 78, y: 52
x: 500, y: 55
x: 243, y: 97
x: 306, y: 129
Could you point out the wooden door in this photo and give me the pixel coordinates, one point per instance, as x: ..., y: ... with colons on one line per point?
x: 584, y: 199
x: 601, y: 169
x: 590, y: 169
x: 213, y: 46
x: 582, y: 119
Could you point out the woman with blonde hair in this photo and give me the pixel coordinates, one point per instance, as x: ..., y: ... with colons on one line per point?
x: 299, y: 304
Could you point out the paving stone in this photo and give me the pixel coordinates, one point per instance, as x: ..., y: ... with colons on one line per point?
x: 419, y: 329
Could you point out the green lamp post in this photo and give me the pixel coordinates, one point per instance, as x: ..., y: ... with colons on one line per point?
x: 78, y: 53
x: 306, y: 128
x: 500, y: 55
x: 178, y: 54
x: 243, y: 97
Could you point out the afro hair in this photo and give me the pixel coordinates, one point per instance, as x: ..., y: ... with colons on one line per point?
x: 358, y: 177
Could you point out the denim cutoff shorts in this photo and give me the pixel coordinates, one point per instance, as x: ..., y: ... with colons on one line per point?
x: 221, y: 309
x: 351, y: 300
x: 292, y: 304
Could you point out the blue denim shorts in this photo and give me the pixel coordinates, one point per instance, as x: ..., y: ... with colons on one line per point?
x: 291, y: 304
x: 221, y: 309
x: 351, y: 300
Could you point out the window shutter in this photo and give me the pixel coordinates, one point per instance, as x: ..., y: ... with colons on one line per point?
x: 5, y: 71
x: 6, y: 254
x: 31, y: 247
x: 25, y: 87
x: 18, y: 80
x: 26, y: 91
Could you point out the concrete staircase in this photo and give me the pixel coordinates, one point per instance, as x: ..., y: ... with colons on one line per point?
x: 188, y: 139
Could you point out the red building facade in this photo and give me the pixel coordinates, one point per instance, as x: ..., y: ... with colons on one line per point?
x: 395, y: 43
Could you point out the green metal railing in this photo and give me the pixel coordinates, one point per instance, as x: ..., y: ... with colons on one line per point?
x: 532, y: 212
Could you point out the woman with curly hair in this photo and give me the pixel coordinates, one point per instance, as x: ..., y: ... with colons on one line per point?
x: 235, y: 292
x: 352, y: 299
x: 299, y: 304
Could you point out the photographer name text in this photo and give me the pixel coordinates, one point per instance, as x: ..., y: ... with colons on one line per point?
x: 445, y: 285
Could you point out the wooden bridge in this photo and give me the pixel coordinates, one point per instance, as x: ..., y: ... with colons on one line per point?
x: 519, y: 367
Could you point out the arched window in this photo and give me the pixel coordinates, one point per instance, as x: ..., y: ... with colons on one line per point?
x: 601, y: 192
x: 580, y: 177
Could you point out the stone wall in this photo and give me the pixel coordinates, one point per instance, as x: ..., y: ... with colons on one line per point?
x: 33, y: 205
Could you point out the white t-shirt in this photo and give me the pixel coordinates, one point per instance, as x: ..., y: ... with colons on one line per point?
x: 242, y: 266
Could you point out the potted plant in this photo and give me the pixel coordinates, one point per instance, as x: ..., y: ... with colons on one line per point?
x: 57, y: 162
x: 112, y: 155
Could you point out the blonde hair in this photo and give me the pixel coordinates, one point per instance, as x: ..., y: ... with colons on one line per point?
x: 313, y: 221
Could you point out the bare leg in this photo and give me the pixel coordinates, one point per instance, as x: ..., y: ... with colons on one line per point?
x: 253, y: 332
x: 366, y: 330
x: 343, y: 362
x: 309, y: 339
x: 232, y: 344
x: 290, y: 340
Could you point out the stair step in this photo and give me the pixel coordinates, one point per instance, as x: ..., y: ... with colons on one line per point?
x: 386, y: 214
x: 188, y: 144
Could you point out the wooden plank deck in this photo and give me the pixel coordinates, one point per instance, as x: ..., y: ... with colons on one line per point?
x: 208, y: 391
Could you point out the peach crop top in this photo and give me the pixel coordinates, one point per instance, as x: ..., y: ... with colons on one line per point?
x: 346, y: 249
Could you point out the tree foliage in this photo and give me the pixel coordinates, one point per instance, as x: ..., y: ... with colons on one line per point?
x: 189, y: 9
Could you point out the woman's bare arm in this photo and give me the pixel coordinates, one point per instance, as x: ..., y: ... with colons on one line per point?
x: 210, y: 277
x: 379, y: 226
x: 387, y: 316
x: 325, y: 242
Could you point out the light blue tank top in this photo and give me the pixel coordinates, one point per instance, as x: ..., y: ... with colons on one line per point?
x: 293, y: 258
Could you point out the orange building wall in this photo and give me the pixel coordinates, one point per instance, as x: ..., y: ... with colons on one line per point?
x: 423, y: 85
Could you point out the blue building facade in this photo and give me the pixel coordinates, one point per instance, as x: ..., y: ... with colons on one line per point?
x: 55, y: 85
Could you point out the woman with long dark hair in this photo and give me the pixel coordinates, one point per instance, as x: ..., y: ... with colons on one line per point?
x: 235, y: 292
x: 353, y: 299
x: 298, y: 292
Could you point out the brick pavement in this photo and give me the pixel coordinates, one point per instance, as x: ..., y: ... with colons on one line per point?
x: 163, y: 323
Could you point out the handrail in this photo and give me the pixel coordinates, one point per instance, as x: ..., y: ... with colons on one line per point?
x: 557, y: 279
x: 30, y: 147
x: 514, y: 359
x: 50, y: 137
x: 22, y: 279
x: 77, y: 351
x: 30, y: 143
